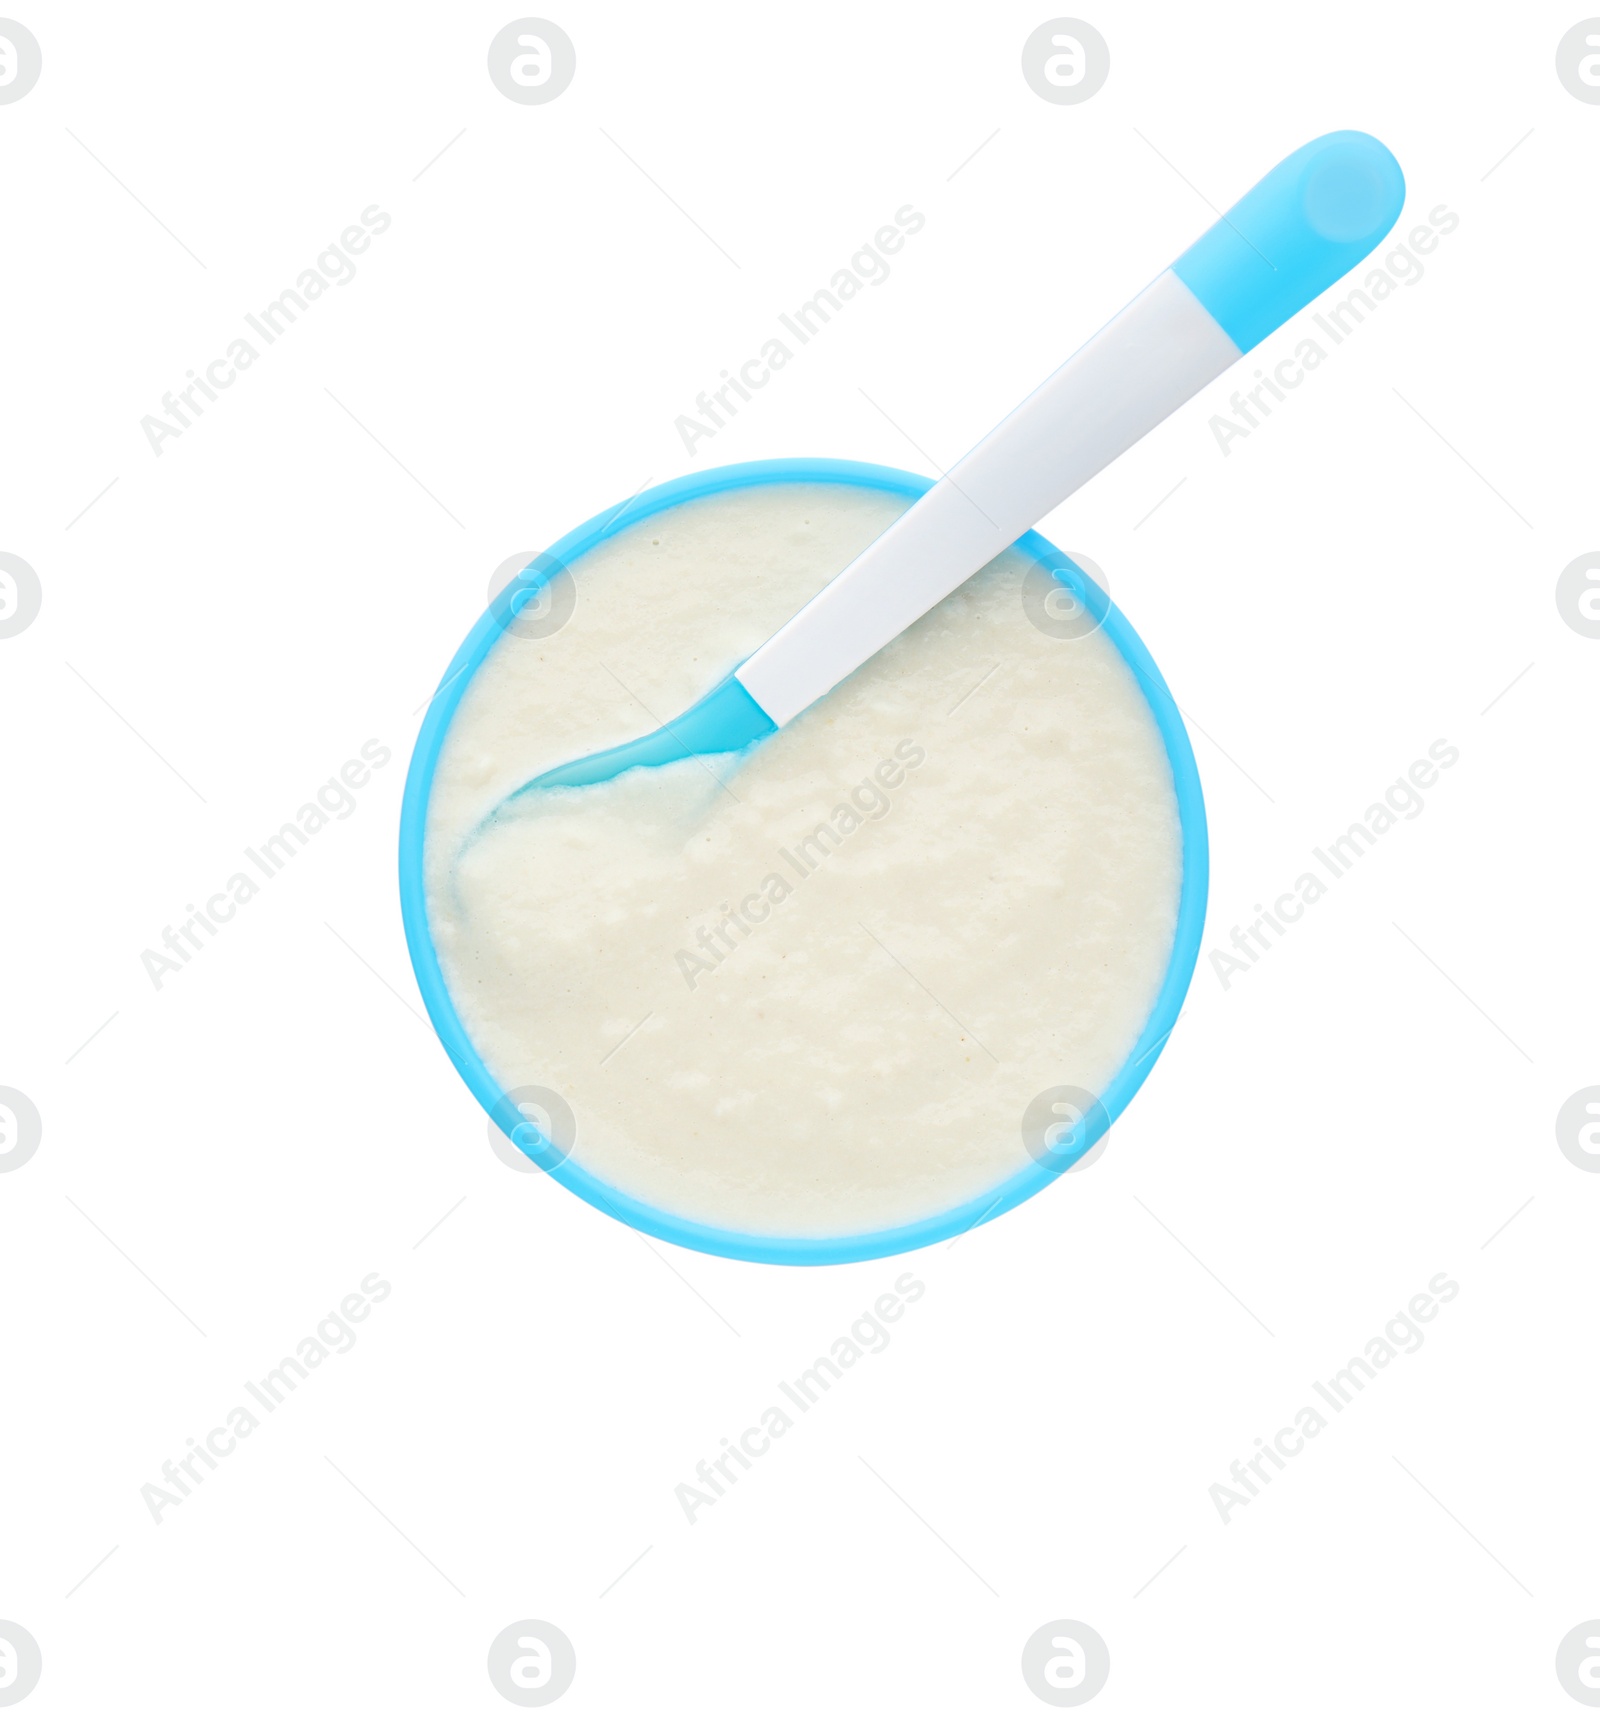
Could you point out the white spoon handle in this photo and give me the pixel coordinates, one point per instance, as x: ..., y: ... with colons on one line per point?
x: 1149, y: 360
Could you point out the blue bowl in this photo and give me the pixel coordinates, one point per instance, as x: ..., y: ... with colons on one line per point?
x: 802, y: 1250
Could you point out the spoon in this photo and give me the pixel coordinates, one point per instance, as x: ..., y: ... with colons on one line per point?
x: 1293, y: 234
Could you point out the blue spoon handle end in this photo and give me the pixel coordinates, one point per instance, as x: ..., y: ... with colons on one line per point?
x: 1293, y: 234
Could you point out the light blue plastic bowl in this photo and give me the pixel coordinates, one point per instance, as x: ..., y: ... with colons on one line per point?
x: 778, y: 1249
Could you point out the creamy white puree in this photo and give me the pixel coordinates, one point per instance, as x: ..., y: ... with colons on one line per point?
x: 995, y: 920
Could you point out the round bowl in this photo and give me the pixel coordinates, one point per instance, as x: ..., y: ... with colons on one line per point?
x: 792, y: 1250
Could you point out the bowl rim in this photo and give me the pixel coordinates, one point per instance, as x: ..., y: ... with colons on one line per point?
x: 709, y: 1238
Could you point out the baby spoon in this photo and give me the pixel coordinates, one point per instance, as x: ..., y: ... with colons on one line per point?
x: 1295, y: 233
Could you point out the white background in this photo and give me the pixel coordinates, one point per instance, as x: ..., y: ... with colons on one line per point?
x: 1357, y: 1113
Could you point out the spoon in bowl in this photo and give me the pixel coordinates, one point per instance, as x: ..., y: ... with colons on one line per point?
x: 1292, y: 235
